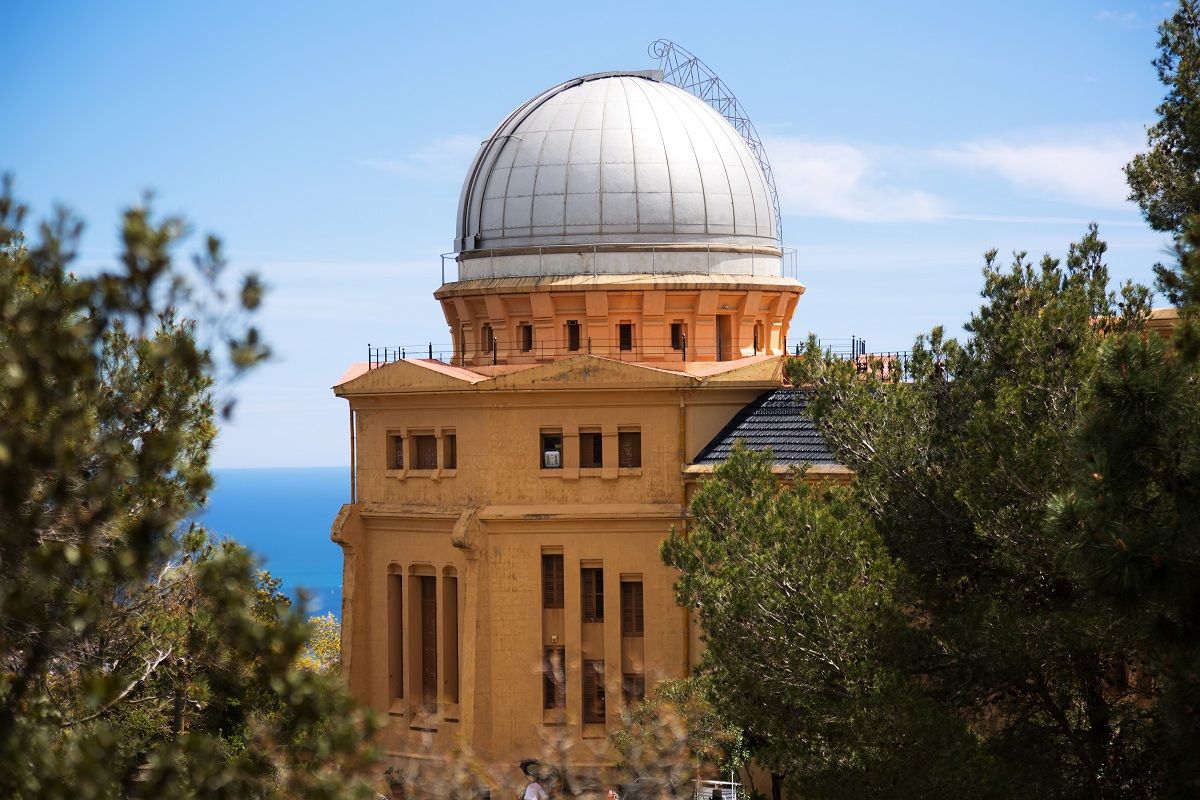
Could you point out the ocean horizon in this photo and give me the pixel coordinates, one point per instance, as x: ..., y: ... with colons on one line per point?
x: 283, y: 515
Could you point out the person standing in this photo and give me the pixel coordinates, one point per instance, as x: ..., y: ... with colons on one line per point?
x: 534, y: 790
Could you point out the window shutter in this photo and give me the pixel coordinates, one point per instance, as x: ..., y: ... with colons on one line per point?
x: 589, y: 595
x: 554, y: 684
x: 629, y: 449
x: 632, y: 612
x: 552, y: 581
x: 592, y: 581
x: 593, y: 691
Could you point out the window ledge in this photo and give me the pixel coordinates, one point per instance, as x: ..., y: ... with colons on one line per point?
x: 398, y: 708
x: 396, y: 474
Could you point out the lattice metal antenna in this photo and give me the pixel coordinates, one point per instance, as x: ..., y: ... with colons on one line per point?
x: 681, y: 68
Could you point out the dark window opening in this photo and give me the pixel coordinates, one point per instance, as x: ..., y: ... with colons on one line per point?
x: 572, y: 335
x: 449, y: 451
x: 429, y: 671
x: 629, y: 448
x: 396, y: 452
x: 551, y: 457
x: 554, y: 678
x: 676, y: 335
x: 593, y: 691
x: 395, y: 636
x: 487, y: 341
x: 552, y: 580
x: 592, y: 580
x: 591, y: 450
x: 633, y: 688
x: 625, y: 335
x: 526, y: 338
x: 632, y: 610
x: 424, y: 452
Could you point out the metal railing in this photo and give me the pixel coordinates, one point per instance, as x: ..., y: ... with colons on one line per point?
x: 503, y: 351
x: 788, y: 259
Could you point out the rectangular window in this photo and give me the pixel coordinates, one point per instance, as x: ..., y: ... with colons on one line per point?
x: 551, y: 457
x: 450, y: 638
x: 526, y: 332
x: 676, y: 335
x: 424, y: 452
x: 633, y: 688
x: 593, y: 691
x: 573, y: 335
x: 429, y: 670
x: 554, y: 677
x: 629, y: 448
x: 632, y: 611
x: 487, y: 340
x: 395, y: 623
x: 552, y: 580
x: 396, y: 452
x: 625, y: 335
x: 591, y: 449
x: 592, y: 581
x: 449, y: 451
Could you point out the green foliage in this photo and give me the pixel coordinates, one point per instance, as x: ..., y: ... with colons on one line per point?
x: 135, y: 659
x: 669, y: 735
x: 797, y: 597
x: 957, y: 468
x: 1165, y: 180
x: 324, y: 650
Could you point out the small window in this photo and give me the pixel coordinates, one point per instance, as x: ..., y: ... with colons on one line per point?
x: 551, y: 450
x: 592, y: 580
x: 573, y: 335
x: 758, y: 337
x: 554, y: 678
x: 591, y: 449
x: 487, y: 340
x: 629, y: 448
x: 593, y: 691
x: 424, y: 452
x: 449, y: 451
x: 633, y: 688
x: 632, y: 611
x: 526, y: 332
x: 677, y: 335
x: 625, y: 335
x: 552, y: 580
x: 396, y: 452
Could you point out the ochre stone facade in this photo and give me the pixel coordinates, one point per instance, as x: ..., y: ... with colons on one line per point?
x: 476, y: 532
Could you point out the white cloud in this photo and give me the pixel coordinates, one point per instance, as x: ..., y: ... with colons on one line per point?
x: 1077, y: 169
x: 452, y: 153
x: 831, y: 179
x: 1126, y: 19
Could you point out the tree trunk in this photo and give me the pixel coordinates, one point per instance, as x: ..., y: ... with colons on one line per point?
x: 776, y: 786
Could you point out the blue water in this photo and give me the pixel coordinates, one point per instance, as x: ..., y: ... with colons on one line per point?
x: 283, y: 516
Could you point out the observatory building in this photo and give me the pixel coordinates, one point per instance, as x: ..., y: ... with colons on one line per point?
x: 619, y: 315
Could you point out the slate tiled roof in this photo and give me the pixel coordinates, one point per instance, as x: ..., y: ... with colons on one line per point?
x: 778, y: 419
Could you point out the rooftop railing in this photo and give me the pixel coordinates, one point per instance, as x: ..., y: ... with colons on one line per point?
x: 789, y: 260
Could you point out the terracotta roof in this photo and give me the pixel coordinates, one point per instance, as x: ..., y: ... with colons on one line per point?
x: 778, y: 420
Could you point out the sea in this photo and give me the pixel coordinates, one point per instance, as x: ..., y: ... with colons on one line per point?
x: 283, y: 516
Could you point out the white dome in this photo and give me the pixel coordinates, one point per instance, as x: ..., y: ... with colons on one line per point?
x: 615, y: 158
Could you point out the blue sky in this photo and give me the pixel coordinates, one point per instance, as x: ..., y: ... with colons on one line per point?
x: 326, y: 143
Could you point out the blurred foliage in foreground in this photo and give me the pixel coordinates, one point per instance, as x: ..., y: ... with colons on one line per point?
x: 138, y: 656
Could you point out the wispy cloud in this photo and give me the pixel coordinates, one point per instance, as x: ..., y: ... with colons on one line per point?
x: 1126, y: 19
x: 833, y: 179
x: 452, y: 153
x: 1078, y: 168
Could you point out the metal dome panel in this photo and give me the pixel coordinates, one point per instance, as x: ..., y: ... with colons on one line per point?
x: 615, y: 157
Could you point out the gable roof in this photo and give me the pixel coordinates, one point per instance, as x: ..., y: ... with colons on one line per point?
x: 778, y: 420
